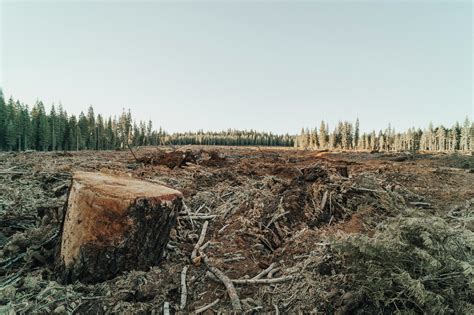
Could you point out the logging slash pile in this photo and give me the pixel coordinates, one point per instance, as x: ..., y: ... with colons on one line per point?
x: 257, y: 230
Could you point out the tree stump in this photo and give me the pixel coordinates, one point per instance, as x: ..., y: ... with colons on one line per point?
x: 114, y: 224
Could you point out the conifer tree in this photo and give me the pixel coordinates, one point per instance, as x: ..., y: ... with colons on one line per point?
x: 356, y: 135
x: 3, y: 120
x: 323, y: 135
x: 465, y: 135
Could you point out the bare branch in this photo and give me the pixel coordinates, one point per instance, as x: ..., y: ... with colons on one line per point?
x: 206, y: 307
x: 184, y: 292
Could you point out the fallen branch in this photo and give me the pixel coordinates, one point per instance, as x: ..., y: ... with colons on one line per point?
x: 133, y: 153
x: 206, y: 307
x: 166, y: 308
x: 213, y: 277
x: 264, y: 272
x: 184, y: 292
x: 234, y: 259
x: 420, y: 204
x: 222, y: 229
x: 277, y: 311
x: 202, y: 217
x: 264, y: 281
x: 189, y: 215
x: 253, y: 310
x: 200, y: 241
x: 9, y: 172
x: 203, y: 247
x: 273, y: 271
x: 234, y: 298
x: 323, y: 201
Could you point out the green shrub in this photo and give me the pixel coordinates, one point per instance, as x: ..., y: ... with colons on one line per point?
x: 412, y: 265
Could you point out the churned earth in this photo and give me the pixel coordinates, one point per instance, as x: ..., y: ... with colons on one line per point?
x: 316, y: 221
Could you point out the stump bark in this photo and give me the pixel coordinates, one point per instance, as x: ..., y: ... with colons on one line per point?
x: 114, y: 224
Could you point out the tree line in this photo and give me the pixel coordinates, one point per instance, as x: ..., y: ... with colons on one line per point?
x: 347, y: 136
x: 22, y: 128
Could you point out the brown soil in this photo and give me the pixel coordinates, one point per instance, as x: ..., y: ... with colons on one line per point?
x: 270, y: 205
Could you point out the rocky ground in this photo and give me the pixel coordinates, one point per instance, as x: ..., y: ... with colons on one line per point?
x: 321, y: 223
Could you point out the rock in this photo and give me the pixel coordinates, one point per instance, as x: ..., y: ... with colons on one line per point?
x: 114, y: 224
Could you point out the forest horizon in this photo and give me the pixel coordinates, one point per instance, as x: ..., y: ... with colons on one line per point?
x: 23, y: 129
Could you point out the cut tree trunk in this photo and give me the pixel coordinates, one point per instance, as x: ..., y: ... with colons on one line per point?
x: 114, y: 224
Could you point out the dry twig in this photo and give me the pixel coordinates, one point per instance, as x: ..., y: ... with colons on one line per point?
x: 200, y: 241
x: 264, y: 281
x: 206, y: 307
x: 184, y: 292
x: 234, y: 298
x: 264, y: 272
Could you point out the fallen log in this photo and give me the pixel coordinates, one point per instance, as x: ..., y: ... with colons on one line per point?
x: 114, y: 224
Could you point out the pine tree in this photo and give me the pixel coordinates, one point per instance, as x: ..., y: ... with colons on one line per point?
x: 10, y: 135
x: 40, y: 127
x: 83, y: 135
x: 53, y: 128
x: 465, y: 135
x: 441, y: 138
x: 355, y: 143
x: 3, y: 120
x: 322, y: 135
x: 91, y: 136
x: 62, y: 122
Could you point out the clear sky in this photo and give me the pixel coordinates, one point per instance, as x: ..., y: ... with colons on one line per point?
x: 274, y: 66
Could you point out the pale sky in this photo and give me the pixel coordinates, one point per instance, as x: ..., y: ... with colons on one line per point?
x: 270, y: 66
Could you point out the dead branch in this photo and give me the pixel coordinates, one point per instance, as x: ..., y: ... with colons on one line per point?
x: 222, y: 229
x: 264, y: 281
x: 214, y: 278
x: 203, y: 247
x: 184, y: 292
x: 323, y: 201
x: 200, y: 241
x: 234, y: 298
x: 273, y: 271
x: 166, y: 308
x: 10, y: 172
x: 206, y: 307
x: 420, y: 204
x: 133, y: 153
x: 202, y: 217
x: 238, y: 258
x: 189, y: 215
x: 264, y: 272
x: 277, y: 311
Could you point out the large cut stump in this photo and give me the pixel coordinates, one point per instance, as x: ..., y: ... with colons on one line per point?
x: 113, y: 224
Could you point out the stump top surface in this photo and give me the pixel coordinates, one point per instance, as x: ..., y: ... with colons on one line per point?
x: 125, y: 187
